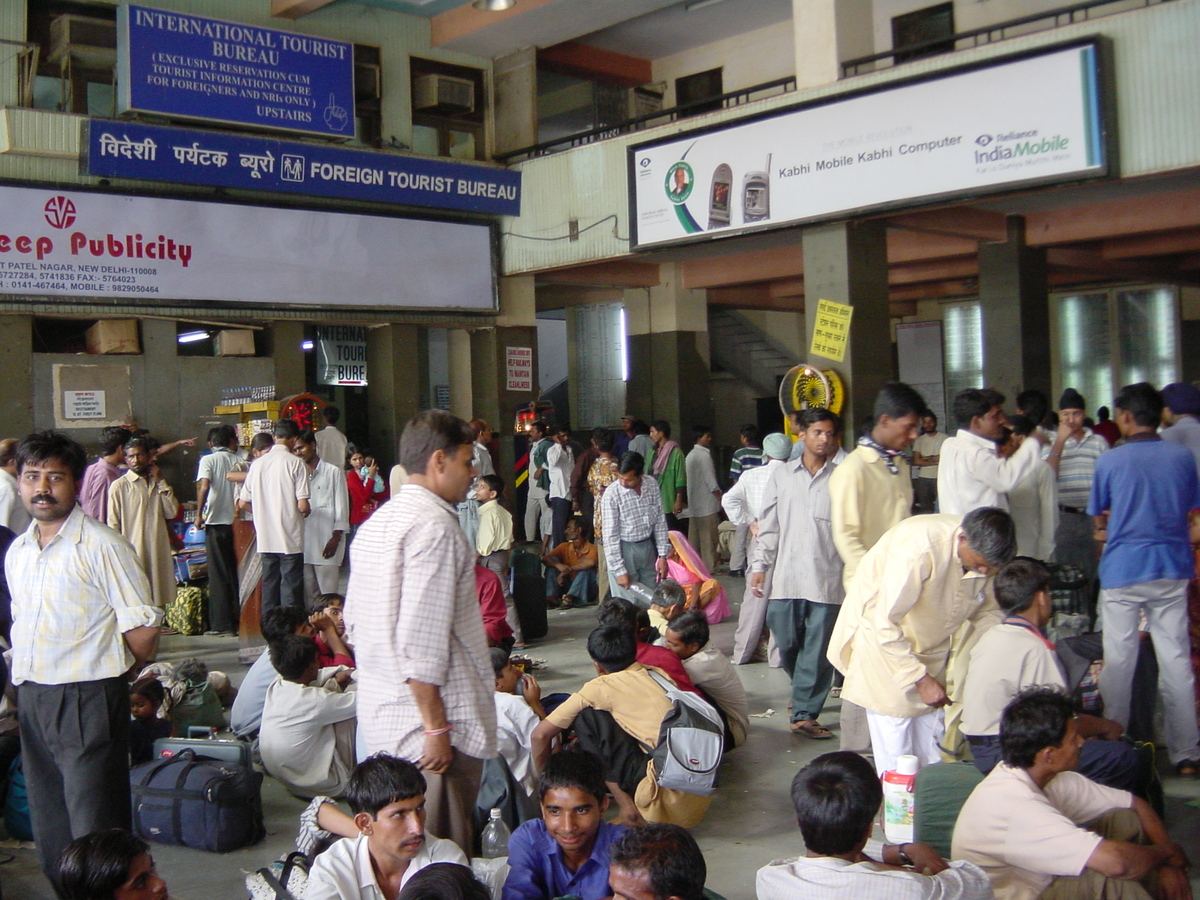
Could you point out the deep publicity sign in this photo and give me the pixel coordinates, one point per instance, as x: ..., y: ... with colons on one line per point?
x: 133, y: 150
x: 1026, y: 120
x: 342, y: 354
x: 191, y: 67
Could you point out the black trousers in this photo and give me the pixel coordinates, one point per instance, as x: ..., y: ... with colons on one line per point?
x: 624, y: 759
x: 224, y: 608
x: 282, y: 580
x: 75, y: 752
x: 560, y: 513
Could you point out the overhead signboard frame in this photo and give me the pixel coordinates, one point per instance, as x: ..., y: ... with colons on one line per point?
x: 1037, y: 117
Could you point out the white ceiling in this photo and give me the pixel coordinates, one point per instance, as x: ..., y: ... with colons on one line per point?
x: 675, y: 28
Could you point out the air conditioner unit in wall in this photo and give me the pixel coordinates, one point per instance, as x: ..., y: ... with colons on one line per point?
x: 444, y: 93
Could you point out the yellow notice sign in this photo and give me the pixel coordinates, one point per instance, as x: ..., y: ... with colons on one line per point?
x: 832, y: 330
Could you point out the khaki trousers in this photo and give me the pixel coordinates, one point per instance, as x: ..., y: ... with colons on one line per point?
x: 450, y: 800
x: 1115, y: 825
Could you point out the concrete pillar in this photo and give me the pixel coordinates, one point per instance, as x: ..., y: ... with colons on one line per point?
x: 514, y: 86
x: 827, y: 32
x: 397, y: 363
x: 516, y: 326
x: 1015, y: 301
x: 669, y: 371
x: 160, y: 403
x: 847, y: 263
x: 462, y: 392
x: 286, y: 338
x: 16, y: 361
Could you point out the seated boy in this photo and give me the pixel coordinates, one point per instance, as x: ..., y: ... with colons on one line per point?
x: 621, y: 611
x: 571, y: 569
x: 245, y: 716
x: 711, y: 671
x: 616, y: 716
x: 308, y: 723
x: 1039, y: 829
x: 325, y: 614
x: 658, y: 861
x: 566, y: 850
x: 516, y: 718
x: 1015, y: 655
x: 837, y: 798
x: 385, y: 843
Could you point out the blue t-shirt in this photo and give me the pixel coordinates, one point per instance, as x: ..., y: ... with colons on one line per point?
x: 537, y: 870
x: 1148, y: 485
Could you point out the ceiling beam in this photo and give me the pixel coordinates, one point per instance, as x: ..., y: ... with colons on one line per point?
x: 294, y: 9
x: 937, y: 270
x: 466, y: 20
x: 1091, y: 260
x: 904, y: 246
x: 956, y: 221
x: 560, y: 296
x: 931, y: 291
x: 614, y: 273
x: 1162, y: 244
x: 593, y: 63
x: 1115, y: 218
x: 744, y: 268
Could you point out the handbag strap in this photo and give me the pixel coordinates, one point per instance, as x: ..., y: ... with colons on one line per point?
x: 281, y: 893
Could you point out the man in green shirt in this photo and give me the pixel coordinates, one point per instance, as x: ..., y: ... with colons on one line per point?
x: 667, y: 466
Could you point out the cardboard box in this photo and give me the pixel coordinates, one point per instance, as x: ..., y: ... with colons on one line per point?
x: 235, y: 342
x: 191, y: 565
x: 114, y: 336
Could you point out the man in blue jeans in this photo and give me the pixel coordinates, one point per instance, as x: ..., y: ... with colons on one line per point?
x: 1141, y: 496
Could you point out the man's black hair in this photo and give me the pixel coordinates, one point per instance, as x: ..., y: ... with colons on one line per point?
x: 668, y: 855
x: 540, y: 424
x: 280, y: 621
x: 292, y: 655
x: 331, y: 414
x: 262, y: 441
x: 560, y: 428
x: 631, y: 463
x: 1033, y: 403
x: 836, y: 798
x: 604, y: 439
x: 307, y: 436
x: 223, y: 435
x: 1142, y: 401
x: 94, y: 866
x: 663, y: 426
x: 807, y: 418
x: 322, y: 602
x: 428, y: 432
x: 499, y: 658
x: 990, y: 533
x: 382, y: 779
x: 1035, y: 719
x: 494, y: 483
x: 975, y: 402
x: 691, y: 626
x: 613, y: 646
x: 212, y: 434
x: 699, y: 431
x: 142, y: 442
x: 640, y: 427
x: 43, y: 446
x: 1103, y: 414
x: 112, y: 438
x: 897, y: 400
x: 150, y: 688
x: 574, y: 768
x: 930, y: 414
x: 286, y: 429
x: 1022, y: 425
x: 1019, y: 582
x: 444, y: 881
x: 751, y: 433
x: 617, y: 609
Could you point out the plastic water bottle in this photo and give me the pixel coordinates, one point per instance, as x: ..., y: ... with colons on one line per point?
x: 899, y: 800
x: 495, y: 837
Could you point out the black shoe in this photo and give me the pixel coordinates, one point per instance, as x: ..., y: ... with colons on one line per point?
x: 737, y: 573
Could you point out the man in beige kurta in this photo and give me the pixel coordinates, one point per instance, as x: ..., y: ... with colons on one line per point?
x: 901, y: 620
x: 139, y: 504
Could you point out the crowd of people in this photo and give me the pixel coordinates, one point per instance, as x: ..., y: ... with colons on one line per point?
x: 921, y: 594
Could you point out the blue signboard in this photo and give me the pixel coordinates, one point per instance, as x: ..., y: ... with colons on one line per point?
x: 191, y: 67
x: 132, y: 150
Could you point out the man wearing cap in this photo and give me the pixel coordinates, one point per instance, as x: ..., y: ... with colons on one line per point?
x: 1181, y: 406
x: 1073, y: 458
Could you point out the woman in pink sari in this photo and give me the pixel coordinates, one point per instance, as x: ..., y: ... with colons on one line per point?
x: 704, y: 592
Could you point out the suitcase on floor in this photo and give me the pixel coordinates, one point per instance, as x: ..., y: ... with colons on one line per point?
x: 199, y: 803
x: 235, y: 752
x: 529, y: 594
x: 939, y: 794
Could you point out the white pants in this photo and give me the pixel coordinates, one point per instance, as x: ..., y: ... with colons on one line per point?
x: 321, y: 580
x: 1165, y: 603
x: 893, y: 737
x: 537, y: 513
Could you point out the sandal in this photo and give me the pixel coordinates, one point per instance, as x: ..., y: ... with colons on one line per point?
x: 1188, y: 768
x: 812, y: 729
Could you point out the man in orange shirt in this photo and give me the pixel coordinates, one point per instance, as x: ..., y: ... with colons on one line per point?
x: 571, y: 569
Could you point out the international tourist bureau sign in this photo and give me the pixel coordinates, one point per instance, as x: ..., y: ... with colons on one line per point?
x: 191, y: 67
x: 1022, y: 121
x: 341, y: 354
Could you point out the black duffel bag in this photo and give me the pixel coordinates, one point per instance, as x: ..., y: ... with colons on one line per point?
x: 189, y: 800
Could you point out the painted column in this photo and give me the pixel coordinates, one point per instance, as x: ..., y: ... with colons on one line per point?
x: 1014, y: 296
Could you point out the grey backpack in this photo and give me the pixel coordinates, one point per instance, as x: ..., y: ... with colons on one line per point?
x: 691, y: 740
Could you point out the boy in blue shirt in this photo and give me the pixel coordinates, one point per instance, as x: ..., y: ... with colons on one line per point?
x: 566, y: 850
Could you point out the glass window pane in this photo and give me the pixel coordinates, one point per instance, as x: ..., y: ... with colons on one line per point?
x: 963, y: 338
x: 462, y: 144
x: 425, y: 140
x: 1147, y: 325
x: 1085, y: 349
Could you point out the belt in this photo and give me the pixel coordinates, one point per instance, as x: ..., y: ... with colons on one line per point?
x: 1072, y: 509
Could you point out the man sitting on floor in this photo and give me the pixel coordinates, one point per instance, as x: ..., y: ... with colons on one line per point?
x: 658, y: 862
x: 711, y: 671
x: 1015, y: 655
x: 571, y: 569
x: 387, y: 798
x: 837, y: 798
x: 1041, y: 830
x: 566, y: 850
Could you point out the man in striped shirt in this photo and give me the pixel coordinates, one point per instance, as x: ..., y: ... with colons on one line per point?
x: 636, y: 546
x: 1073, y: 459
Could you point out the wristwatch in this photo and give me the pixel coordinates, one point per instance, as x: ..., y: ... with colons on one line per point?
x: 904, y: 857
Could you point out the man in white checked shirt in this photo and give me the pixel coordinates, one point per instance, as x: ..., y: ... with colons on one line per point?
x: 425, y: 679
x: 636, y: 545
x: 82, y: 617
